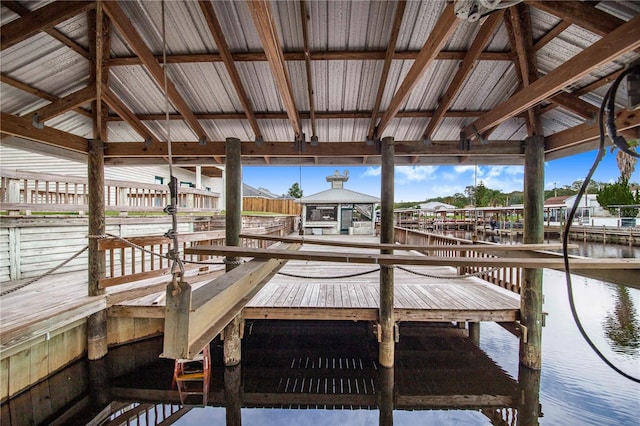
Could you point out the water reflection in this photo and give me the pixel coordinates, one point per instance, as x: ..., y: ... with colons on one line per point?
x: 621, y: 326
x: 329, y: 369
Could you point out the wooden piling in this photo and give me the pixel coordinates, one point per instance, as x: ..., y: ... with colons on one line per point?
x: 531, y: 293
x: 96, y: 323
x: 474, y: 332
x: 233, y: 225
x: 386, y: 317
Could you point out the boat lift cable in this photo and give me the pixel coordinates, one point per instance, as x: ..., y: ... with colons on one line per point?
x: 611, y: 94
x: 177, y: 267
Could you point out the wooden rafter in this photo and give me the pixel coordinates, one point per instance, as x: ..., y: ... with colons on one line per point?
x: 575, y: 104
x: 577, y: 135
x: 553, y: 33
x: 518, y: 25
x: 264, y: 22
x: 330, y: 55
x: 581, y: 14
x: 123, y: 111
x: 23, y: 128
x: 40, y: 19
x: 482, y: 38
x: 307, y: 64
x: 37, y: 92
x: 620, y: 41
x: 126, y: 29
x: 67, y: 103
x: 599, y: 83
x: 283, y: 149
x: 391, y: 47
x: 223, y: 49
x: 440, y: 34
x: 21, y: 10
x: 323, y: 115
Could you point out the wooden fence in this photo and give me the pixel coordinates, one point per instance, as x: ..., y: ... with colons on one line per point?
x: 44, y: 192
x: 271, y: 205
x: 509, y: 278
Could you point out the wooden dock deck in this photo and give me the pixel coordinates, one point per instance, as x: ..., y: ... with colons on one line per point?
x: 417, y: 297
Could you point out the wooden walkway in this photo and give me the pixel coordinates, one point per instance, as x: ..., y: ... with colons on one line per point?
x: 417, y: 297
x: 60, y: 300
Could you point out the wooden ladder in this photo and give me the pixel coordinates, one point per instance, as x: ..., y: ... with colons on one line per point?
x: 192, y: 376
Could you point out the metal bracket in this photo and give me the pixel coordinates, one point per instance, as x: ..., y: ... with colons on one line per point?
x: 35, y: 123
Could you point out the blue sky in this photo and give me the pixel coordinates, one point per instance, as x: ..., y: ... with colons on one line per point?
x: 417, y: 183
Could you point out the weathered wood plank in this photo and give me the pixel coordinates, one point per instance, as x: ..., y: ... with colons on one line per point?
x: 383, y: 259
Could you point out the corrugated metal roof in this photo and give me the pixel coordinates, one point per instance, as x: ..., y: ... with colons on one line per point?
x: 339, y: 195
x: 340, y: 85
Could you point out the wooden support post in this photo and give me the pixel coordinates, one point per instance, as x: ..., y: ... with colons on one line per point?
x: 385, y: 396
x: 233, y: 225
x: 232, y: 396
x: 529, y: 407
x: 386, y: 317
x: 97, y: 323
x: 474, y: 332
x: 531, y: 294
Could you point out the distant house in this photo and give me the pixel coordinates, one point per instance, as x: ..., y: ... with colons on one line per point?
x: 338, y: 210
x: 250, y: 191
x: 589, y: 211
x: 433, y: 208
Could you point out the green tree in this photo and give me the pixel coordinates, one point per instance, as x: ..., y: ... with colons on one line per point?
x: 618, y: 194
x: 295, y: 191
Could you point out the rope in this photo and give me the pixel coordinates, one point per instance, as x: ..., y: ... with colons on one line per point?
x: 357, y: 274
x: 450, y: 277
x: 49, y: 272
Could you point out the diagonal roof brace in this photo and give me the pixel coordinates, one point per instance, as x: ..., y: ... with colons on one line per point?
x: 266, y: 27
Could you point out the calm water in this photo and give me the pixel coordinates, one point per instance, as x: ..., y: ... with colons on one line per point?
x: 329, y: 376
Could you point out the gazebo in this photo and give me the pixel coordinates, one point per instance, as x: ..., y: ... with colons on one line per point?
x: 338, y: 210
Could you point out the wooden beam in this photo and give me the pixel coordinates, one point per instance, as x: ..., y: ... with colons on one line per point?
x: 388, y: 57
x: 438, y: 37
x: 210, y: 307
x: 223, y: 48
x: 21, y: 10
x: 67, y: 103
x: 619, y: 42
x: 265, y: 24
x: 553, y: 33
x: 126, y: 29
x: 320, y: 115
x: 518, y: 25
x: 408, y: 247
x: 581, y: 14
x: 330, y: 55
x: 40, y: 19
x: 599, y: 83
x: 583, y: 133
x: 482, y: 38
x: 283, y: 149
x: 129, y: 117
x: 23, y: 128
x: 37, y: 92
x: 390, y: 259
x: 576, y: 105
x: 307, y: 64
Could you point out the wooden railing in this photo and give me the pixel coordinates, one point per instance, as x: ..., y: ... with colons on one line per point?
x: 28, y: 192
x: 509, y: 278
x: 126, y: 263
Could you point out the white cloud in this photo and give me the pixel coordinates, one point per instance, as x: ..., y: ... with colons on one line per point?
x: 463, y: 169
x: 405, y: 174
x: 372, y: 171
